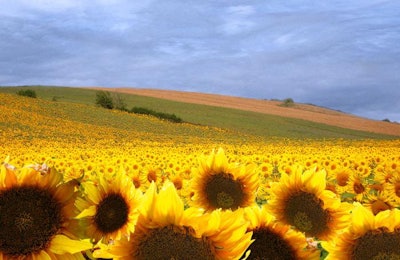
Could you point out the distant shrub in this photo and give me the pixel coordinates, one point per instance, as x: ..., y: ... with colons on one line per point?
x: 142, y: 110
x: 110, y: 101
x: 27, y: 93
x: 104, y: 99
x: 170, y: 117
x: 119, y: 102
x: 287, y: 102
x: 386, y: 120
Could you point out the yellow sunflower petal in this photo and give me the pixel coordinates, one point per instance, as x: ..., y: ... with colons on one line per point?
x: 362, y: 219
x: 173, y: 213
x: 64, y: 192
x: 89, y: 212
x: 103, y: 254
x: 395, y: 216
x: 381, y: 219
x: 209, y: 224
x: 61, y: 245
x: 70, y: 257
x: 315, y: 180
x: 7, y: 177
x: 252, y: 215
x: 41, y: 256
x: 92, y: 192
x: 149, y: 199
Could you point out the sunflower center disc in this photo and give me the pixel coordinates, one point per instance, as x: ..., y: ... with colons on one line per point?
x: 342, y: 179
x: 30, y: 217
x: 222, y: 191
x: 358, y: 188
x: 397, y: 189
x: 378, y: 206
x: 24, y: 221
x: 302, y: 221
x: 112, y: 213
x: 172, y: 242
x: 378, y: 244
x: 224, y: 200
x: 269, y: 245
x: 304, y: 211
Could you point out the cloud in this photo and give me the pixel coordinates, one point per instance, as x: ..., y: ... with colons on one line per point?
x: 337, y: 54
x: 237, y: 19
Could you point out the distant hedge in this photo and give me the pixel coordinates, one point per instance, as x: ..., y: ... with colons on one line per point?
x: 104, y: 99
x: 27, y: 93
x: 160, y: 115
x: 287, y: 102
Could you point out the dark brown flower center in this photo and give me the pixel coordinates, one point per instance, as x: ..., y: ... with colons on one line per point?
x: 222, y: 191
x: 397, y: 189
x: 270, y: 245
x: 379, y: 205
x: 178, y: 183
x: 151, y: 176
x: 358, y: 187
x: 112, y: 213
x: 305, y: 212
x: 342, y: 178
x: 29, y: 217
x: 172, y: 242
x: 377, y: 244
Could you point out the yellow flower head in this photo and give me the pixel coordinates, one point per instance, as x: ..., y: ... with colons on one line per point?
x: 218, y: 184
x: 358, y: 186
x: 302, y: 201
x: 393, y: 188
x: 109, y: 209
x: 368, y: 237
x: 379, y: 201
x: 165, y: 228
x: 36, y: 212
x: 275, y: 240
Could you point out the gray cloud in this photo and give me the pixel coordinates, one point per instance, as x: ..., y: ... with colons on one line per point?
x: 339, y: 54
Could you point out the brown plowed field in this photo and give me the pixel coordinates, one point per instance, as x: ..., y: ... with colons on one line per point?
x: 302, y: 111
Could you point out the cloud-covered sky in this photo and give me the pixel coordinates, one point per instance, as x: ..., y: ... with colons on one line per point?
x: 338, y: 53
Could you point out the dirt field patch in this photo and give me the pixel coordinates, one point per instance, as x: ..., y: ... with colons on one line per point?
x: 301, y: 111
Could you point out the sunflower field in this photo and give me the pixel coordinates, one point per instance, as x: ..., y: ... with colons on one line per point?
x: 79, y: 182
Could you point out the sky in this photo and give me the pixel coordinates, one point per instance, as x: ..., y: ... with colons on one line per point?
x: 340, y: 54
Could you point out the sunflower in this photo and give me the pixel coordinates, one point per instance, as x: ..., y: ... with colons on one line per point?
x: 368, y: 237
x: 340, y: 177
x: 393, y: 188
x: 383, y: 175
x: 138, y: 180
x: 358, y: 185
x: 301, y: 200
x: 274, y: 240
x: 166, y: 231
x: 153, y: 174
x: 36, y: 212
x: 108, y: 209
x: 379, y: 201
x: 218, y: 184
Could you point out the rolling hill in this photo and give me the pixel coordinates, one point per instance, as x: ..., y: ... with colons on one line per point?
x: 260, y: 118
x: 299, y: 111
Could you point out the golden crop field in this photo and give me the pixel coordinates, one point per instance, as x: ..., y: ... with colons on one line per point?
x: 78, y: 182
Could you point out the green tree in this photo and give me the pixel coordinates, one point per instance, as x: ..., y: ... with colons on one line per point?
x: 104, y: 99
x: 288, y: 102
x: 119, y: 102
x: 27, y: 93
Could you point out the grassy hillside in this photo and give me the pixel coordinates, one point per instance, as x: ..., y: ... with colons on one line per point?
x: 246, y: 122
